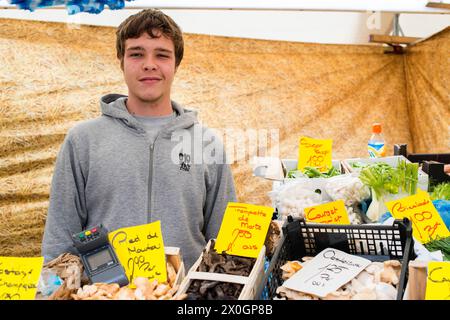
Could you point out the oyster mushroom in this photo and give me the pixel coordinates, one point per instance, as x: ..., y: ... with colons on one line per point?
x: 338, y: 295
x: 385, y: 291
x: 365, y: 294
x: 391, y: 272
x: 290, y: 268
x: 294, y: 295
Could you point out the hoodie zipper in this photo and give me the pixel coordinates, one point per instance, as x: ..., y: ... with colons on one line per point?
x: 150, y: 183
x: 150, y: 179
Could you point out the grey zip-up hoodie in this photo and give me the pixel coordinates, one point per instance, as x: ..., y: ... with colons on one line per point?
x: 109, y: 172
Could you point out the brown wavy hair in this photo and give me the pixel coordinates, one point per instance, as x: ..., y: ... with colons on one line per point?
x: 151, y: 21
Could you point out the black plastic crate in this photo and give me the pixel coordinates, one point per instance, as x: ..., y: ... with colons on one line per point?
x: 373, y: 242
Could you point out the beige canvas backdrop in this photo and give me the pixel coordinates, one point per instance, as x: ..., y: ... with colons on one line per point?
x: 52, y: 76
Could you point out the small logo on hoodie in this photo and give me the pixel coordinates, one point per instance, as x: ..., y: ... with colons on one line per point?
x: 185, y: 162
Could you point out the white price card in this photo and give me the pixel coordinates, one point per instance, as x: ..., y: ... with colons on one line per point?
x: 327, y: 272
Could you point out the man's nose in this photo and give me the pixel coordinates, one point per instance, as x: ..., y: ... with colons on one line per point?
x: 149, y: 65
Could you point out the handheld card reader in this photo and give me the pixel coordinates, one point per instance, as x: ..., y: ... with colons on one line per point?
x: 98, y: 256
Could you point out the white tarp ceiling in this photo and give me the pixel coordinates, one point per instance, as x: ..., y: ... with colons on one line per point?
x: 320, y: 21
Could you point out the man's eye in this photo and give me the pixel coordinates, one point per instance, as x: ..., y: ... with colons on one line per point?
x: 163, y: 56
x: 135, y: 55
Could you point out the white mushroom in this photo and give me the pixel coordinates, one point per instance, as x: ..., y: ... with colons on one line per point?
x: 366, y: 294
x: 385, y: 291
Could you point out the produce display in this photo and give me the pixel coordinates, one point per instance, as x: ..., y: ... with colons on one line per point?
x: 145, y: 290
x: 273, y: 237
x: 214, y: 262
x: 313, y: 172
x: 378, y: 281
x: 386, y: 180
x: 293, y: 197
x: 441, y: 192
x: 440, y: 244
x: 75, y: 287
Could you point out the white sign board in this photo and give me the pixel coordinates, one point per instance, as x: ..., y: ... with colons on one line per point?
x: 327, y: 272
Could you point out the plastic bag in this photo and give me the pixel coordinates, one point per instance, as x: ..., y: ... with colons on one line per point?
x: 293, y: 197
x: 347, y: 187
x: 49, y: 282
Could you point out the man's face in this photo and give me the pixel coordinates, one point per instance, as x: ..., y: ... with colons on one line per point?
x: 149, y: 68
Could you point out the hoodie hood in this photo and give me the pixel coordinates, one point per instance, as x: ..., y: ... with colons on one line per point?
x: 113, y: 105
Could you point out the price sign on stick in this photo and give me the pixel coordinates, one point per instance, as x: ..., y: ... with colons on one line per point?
x: 426, y: 222
x: 314, y: 153
x: 332, y: 213
x: 326, y: 272
x: 19, y: 277
x: 140, y: 250
x: 438, y: 281
x: 244, y: 229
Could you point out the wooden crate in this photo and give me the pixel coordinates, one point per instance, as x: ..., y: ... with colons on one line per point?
x: 173, y: 255
x: 417, y: 280
x: 250, y: 283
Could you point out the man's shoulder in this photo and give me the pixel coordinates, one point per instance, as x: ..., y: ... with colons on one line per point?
x: 88, y: 127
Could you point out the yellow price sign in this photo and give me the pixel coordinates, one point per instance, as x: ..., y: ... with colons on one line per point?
x: 314, y: 153
x: 19, y: 277
x: 426, y: 221
x: 243, y: 230
x: 332, y: 213
x: 140, y: 250
x: 438, y: 281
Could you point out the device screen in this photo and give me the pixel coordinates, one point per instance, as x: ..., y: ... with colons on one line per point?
x: 100, y: 258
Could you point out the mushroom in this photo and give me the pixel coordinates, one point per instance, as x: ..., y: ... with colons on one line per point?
x: 385, y: 291
x: 362, y: 281
x: 161, y: 290
x: 290, y: 268
x: 341, y: 294
x: 366, y: 294
x: 125, y: 293
x: 293, y: 294
x: 391, y: 272
x: 171, y: 273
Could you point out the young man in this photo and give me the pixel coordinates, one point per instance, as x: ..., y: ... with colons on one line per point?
x: 124, y: 169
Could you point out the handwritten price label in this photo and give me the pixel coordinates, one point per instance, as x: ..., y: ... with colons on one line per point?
x: 438, y: 281
x: 327, y: 272
x: 332, y: 212
x: 244, y: 229
x: 140, y: 250
x: 19, y: 277
x: 426, y: 221
x: 314, y: 153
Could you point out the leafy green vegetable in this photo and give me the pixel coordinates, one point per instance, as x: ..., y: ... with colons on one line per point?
x: 381, y: 177
x: 441, y: 191
x: 295, y: 174
x: 385, y: 179
x: 359, y: 164
x: 313, y: 172
x: 408, y: 175
x: 442, y: 244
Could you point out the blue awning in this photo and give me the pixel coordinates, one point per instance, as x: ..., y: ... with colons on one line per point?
x: 73, y: 6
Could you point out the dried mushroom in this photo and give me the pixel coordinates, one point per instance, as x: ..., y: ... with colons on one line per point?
x: 214, y: 262
x: 272, y: 238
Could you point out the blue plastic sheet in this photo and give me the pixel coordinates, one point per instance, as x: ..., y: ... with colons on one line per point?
x: 442, y: 206
x: 73, y: 7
